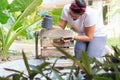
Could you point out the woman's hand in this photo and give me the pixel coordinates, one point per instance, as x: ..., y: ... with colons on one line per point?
x: 67, y: 39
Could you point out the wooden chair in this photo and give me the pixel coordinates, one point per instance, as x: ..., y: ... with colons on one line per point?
x: 46, y: 42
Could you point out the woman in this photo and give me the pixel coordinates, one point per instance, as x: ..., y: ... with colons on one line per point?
x: 91, y: 36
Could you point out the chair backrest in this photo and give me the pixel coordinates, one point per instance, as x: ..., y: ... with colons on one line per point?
x: 46, y: 42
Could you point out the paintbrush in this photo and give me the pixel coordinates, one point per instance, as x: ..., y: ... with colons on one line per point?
x: 60, y: 40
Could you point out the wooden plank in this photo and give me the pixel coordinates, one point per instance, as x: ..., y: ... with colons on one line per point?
x: 56, y: 33
x: 55, y: 52
x: 48, y: 42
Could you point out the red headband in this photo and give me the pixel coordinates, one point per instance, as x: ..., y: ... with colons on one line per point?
x: 76, y: 8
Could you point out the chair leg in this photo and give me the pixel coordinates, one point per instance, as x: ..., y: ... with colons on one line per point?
x: 36, y: 45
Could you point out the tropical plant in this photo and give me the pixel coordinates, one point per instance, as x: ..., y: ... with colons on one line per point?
x: 18, y: 75
x: 46, y: 71
x: 18, y: 25
x: 94, y: 69
x: 112, y: 64
x: 82, y: 69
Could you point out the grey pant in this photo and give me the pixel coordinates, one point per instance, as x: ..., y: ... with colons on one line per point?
x: 95, y: 48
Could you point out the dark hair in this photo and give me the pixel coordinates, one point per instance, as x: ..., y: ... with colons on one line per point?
x: 78, y: 6
x: 81, y: 3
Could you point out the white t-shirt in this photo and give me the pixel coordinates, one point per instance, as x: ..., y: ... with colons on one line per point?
x: 89, y: 18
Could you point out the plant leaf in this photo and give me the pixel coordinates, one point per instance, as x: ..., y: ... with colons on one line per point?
x: 3, y: 5
x: 29, y: 34
x: 31, y: 8
x: 13, y: 70
x: 35, y: 70
x: 3, y: 18
x: 57, y: 75
x: 26, y: 62
x: 56, y: 15
x: 101, y: 78
x: 19, y: 5
x: 42, y: 13
x: 2, y: 37
x: 16, y: 76
x: 43, y: 65
x: 71, y: 57
x: 86, y: 62
x: 2, y: 78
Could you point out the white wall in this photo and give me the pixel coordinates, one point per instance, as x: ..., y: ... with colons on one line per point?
x: 114, y: 21
x: 55, y: 1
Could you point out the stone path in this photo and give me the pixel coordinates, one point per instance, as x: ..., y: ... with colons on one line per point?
x: 24, y: 47
x: 17, y: 65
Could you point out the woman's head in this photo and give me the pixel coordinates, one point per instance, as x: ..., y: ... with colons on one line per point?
x: 77, y: 7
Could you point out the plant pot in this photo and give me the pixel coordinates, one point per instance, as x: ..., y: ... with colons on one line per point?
x: 47, y: 22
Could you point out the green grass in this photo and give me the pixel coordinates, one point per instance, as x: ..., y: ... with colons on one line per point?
x: 113, y: 41
x: 56, y: 13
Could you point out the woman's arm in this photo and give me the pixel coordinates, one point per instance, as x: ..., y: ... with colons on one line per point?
x: 89, y: 33
x: 62, y: 24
